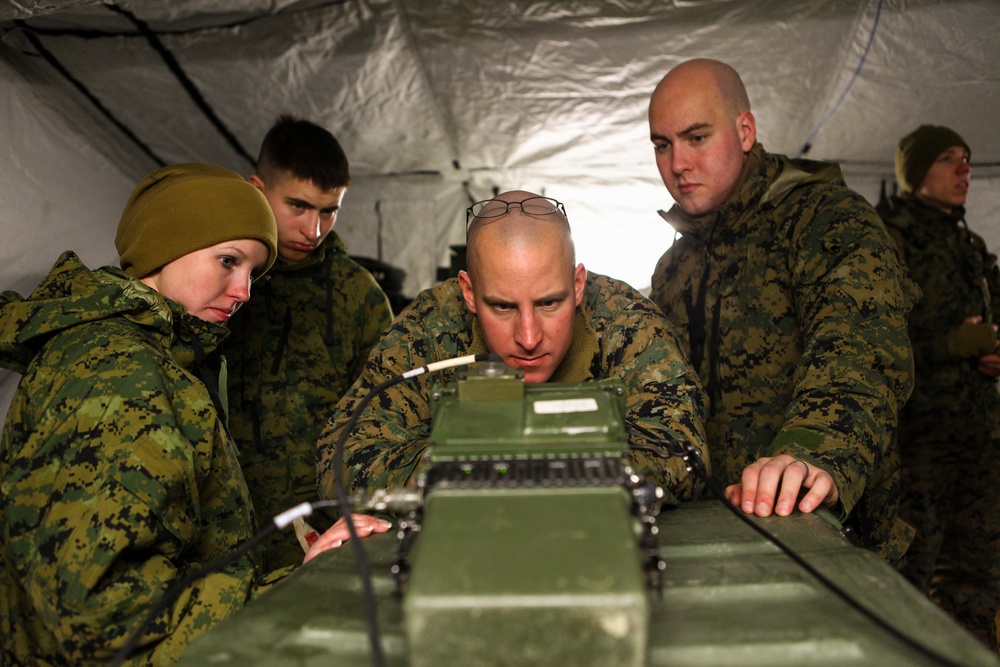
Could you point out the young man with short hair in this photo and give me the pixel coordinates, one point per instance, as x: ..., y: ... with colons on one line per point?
x: 302, y: 340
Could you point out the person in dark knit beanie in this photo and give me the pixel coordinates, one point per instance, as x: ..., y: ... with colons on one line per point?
x: 185, y: 207
x: 949, y: 429
x: 918, y: 150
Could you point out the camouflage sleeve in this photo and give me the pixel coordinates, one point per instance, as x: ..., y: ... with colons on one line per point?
x: 373, y: 316
x: 664, y: 395
x: 856, y: 369
x: 101, y: 505
x: 386, y: 446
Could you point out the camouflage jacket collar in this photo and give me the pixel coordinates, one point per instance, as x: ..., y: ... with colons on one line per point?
x: 703, y: 227
x: 72, y: 295
x: 331, y: 245
x: 576, y: 367
x: 902, y: 210
x: 768, y: 179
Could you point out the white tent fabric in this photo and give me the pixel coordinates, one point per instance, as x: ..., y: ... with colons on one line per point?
x: 438, y: 102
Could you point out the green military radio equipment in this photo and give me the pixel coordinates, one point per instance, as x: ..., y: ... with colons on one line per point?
x: 534, y: 540
x: 528, y: 541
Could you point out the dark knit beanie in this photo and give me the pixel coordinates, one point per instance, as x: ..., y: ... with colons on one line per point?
x: 918, y: 150
x: 186, y: 207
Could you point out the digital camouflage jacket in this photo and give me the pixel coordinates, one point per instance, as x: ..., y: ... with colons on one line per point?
x: 617, y: 333
x: 791, y: 302
x: 295, y: 348
x: 116, y: 477
x: 959, y: 278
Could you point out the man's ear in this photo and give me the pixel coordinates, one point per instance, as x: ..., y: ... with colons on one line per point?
x: 256, y: 181
x: 746, y: 125
x: 468, y: 294
x: 579, y: 283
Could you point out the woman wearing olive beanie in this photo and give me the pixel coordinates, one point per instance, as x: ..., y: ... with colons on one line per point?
x: 118, y: 475
x: 186, y: 207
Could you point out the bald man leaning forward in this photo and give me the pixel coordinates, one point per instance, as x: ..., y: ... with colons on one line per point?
x: 791, y: 303
x: 525, y: 298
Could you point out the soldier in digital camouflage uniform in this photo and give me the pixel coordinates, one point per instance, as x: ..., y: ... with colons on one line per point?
x: 304, y: 337
x: 949, y: 433
x: 791, y: 302
x: 525, y: 299
x: 117, y: 478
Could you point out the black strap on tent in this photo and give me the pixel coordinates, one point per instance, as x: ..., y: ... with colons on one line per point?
x: 58, y: 66
x: 185, y: 81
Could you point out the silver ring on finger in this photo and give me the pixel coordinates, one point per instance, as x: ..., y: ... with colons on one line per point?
x: 804, y: 465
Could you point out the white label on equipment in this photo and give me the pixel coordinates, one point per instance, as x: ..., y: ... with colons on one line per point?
x: 565, y: 405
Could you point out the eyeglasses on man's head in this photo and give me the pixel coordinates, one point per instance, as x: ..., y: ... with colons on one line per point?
x: 495, y: 208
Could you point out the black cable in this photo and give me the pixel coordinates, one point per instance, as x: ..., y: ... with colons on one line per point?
x: 379, y: 501
x: 29, y: 33
x: 178, y: 587
x: 364, y: 572
x: 378, y: 657
x: 685, y: 450
x: 185, y: 81
x: 699, y: 469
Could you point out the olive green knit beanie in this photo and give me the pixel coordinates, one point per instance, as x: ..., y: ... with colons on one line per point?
x: 186, y: 207
x: 918, y: 150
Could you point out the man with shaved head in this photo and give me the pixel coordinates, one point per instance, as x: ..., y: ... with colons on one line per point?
x: 525, y: 298
x: 791, y: 304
